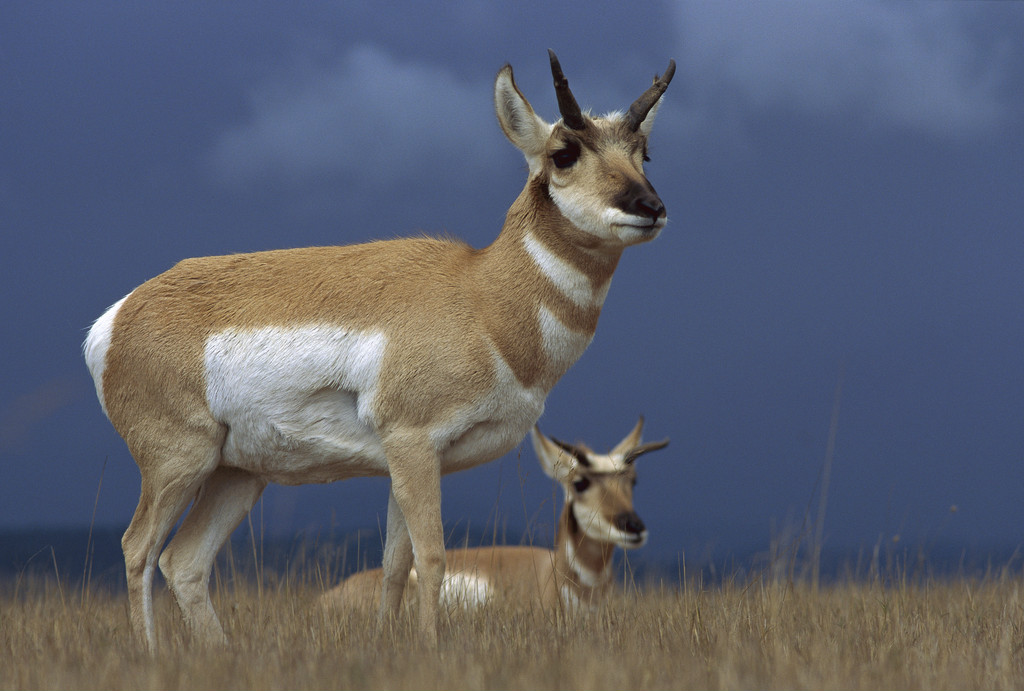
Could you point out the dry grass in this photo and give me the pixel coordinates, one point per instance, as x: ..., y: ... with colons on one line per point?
x: 959, y: 634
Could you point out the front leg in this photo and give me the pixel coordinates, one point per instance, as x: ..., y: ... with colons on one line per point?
x: 416, y: 492
x: 397, y: 561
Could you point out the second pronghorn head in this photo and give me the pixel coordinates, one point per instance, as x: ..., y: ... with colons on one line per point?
x: 598, y: 487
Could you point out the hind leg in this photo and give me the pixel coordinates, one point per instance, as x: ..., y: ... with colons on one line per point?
x: 154, y: 517
x: 223, y: 501
x: 168, y: 485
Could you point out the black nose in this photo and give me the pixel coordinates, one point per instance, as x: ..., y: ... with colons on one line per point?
x: 650, y: 206
x: 629, y: 522
x: 642, y: 200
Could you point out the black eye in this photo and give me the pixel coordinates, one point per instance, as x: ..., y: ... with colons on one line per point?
x: 566, y: 156
x: 580, y: 484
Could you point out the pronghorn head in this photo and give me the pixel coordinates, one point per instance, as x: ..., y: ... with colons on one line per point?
x: 599, y: 487
x: 592, y: 167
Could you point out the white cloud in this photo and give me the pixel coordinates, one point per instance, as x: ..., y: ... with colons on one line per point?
x: 908, y: 65
x: 368, y: 115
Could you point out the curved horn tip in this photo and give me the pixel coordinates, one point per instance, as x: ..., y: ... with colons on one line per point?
x: 556, y: 67
x: 670, y: 72
x: 642, y: 106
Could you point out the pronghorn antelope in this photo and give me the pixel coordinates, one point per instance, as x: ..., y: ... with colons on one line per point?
x: 409, y: 358
x: 597, y: 515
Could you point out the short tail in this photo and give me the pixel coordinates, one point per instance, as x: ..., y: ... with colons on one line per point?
x: 95, y: 347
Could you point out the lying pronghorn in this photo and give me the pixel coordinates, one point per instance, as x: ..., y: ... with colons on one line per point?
x: 598, y: 515
x: 409, y: 358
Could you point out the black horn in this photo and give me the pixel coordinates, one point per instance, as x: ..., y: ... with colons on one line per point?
x: 638, y: 451
x: 577, y: 452
x: 572, y: 116
x: 642, y: 106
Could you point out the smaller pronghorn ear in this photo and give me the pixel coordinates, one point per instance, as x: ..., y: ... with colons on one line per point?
x: 557, y: 458
x: 648, y: 123
x: 631, y: 441
x: 524, y: 128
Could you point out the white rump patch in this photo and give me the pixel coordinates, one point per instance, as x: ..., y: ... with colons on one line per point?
x: 97, y: 342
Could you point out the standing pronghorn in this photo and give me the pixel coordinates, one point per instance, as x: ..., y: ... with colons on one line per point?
x: 409, y: 358
x: 597, y: 515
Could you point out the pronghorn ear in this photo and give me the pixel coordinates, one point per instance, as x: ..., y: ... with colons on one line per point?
x: 556, y: 461
x: 648, y: 122
x: 524, y: 128
x: 631, y: 441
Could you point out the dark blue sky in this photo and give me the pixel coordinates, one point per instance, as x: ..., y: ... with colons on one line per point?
x: 845, y: 187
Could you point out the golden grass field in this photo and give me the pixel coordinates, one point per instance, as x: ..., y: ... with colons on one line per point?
x: 934, y: 634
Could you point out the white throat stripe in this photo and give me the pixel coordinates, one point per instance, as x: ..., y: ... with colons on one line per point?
x: 572, y: 282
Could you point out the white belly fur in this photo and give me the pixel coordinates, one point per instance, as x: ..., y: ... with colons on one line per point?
x: 299, y: 406
x: 298, y: 402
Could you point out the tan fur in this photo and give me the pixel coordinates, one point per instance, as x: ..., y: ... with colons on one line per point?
x: 525, y: 576
x: 453, y: 320
x: 577, y: 572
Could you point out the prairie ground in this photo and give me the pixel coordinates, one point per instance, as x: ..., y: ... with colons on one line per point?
x: 937, y: 634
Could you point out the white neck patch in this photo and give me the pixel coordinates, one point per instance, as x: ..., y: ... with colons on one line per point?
x: 572, y: 282
x: 562, y: 345
x: 584, y: 576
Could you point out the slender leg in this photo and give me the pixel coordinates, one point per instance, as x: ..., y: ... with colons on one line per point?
x: 224, y: 500
x: 416, y: 488
x: 141, y: 543
x: 397, y: 561
x: 172, y: 472
x: 160, y: 505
